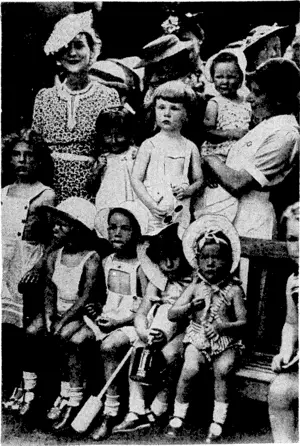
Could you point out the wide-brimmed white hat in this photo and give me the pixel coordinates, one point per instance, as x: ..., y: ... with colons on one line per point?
x: 68, y: 28
x: 207, y: 224
x: 237, y: 52
x: 162, y: 48
x: 261, y: 32
x: 76, y: 209
x: 138, y: 212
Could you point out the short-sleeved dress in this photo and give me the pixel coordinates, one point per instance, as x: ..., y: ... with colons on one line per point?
x: 231, y: 115
x: 66, y: 119
x: 267, y: 153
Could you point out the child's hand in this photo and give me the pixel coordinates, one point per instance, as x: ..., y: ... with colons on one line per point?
x: 180, y: 192
x: 157, y: 336
x: 100, y: 164
x: 280, y: 360
x: 157, y: 212
x: 134, y: 153
x: 107, y: 323
x: 143, y: 335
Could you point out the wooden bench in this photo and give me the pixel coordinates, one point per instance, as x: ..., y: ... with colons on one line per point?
x: 269, y: 268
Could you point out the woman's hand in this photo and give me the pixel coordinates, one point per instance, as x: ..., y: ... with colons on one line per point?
x: 180, y: 192
x: 157, y: 336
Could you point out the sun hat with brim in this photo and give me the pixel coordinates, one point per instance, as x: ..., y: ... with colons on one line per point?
x: 137, y: 210
x: 114, y: 74
x: 68, y: 28
x: 162, y: 48
x: 204, y: 225
x: 76, y: 210
x: 261, y: 32
x: 237, y: 52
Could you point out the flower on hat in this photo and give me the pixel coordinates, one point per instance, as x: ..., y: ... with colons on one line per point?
x: 68, y: 28
x: 171, y: 25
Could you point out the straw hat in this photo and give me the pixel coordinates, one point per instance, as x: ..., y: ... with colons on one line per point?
x: 68, y: 28
x: 138, y: 212
x: 114, y: 74
x: 78, y: 211
x: 261, y: 32
x: 237, y: 52
x: 205, y: 224
x: 162, y: 48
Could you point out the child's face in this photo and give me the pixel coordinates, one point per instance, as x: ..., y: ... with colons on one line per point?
x: 120, y: 232
x: 227, y: 78
x: 169, y: 264
x: 213, y: 262
x: 23, y: 160
x: 170, y: 116
x: 292, y: 240
x: 115, y: 141
x: 62, y: 229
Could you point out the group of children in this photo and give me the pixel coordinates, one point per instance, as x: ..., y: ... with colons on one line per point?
x: 167, y: 283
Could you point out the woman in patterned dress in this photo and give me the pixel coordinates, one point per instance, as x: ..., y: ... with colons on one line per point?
x: 66, y: 114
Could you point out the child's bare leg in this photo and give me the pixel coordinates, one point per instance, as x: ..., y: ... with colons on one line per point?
x: 223, y: 366
x: 283, y: 392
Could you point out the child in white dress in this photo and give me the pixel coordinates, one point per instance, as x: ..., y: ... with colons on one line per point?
x: 25, y: 154
x: 228, y: 114
x: 167, y: 171
x: 112, y: 171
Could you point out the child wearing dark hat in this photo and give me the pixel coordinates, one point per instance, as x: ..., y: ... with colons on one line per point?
x: 215, y: 306
x: 169, y: 274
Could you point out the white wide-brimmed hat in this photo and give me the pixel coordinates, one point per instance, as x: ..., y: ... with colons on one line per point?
x: 75, y: 209
x: 137, y: 210
x: 262, y: 32
x: 68, y: 28
x: 237, y: 52
x: 209, y: 224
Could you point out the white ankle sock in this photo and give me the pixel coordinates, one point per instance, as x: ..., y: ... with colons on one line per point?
x: 220, y: 412
x: 111, y: 405
x: 30, y: 379
x: 65, y: 389
x: 75, y: 396
x: 180, y: 409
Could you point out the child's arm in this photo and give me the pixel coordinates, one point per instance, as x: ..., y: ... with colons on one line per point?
x: 289, y: 337
x: 197, y: 177
x: 235, y: 328
x: 140, y: 320
x: 184, y: 305
x: 91, y: 274
x: 50, y: 291
x: 95, y: 177
x: 137, y: 179
x: 210, y: 123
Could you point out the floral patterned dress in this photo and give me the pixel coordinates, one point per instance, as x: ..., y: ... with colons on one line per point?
x: 231, y: 115
x: 66, y: 119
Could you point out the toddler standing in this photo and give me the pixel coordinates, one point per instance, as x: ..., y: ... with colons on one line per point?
x: 167, y: 170
x: 112, y: 171
x: 215, y: 306
x: 227, y: 115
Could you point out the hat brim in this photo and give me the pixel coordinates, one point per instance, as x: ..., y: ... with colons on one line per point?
x: 64, y: 215
x: 210, y: 222
x: 250, y: 46
x: 178, y: 48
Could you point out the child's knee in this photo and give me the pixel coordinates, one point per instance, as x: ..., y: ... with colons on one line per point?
x: 224, y: 365
x: 281, y: 392
x: 81, y: 337
x: 171, y: 353
x: 113, y: 342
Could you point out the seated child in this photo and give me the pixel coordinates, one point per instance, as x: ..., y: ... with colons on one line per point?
x: 73, y: 278
x: 24, y: 158
x: 284, y: 390
x: 228, y: 114
x: 167, y: 171
x: 215, y: 306
x: 126, y: 285
x: 169, y: 275
x: 111, y: 179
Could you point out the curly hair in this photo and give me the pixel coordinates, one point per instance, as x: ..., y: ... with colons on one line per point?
x: 40, y: 149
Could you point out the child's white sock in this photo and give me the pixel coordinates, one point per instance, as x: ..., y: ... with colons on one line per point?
x: 111, y: 405
x: 65, y: 389
x: 180, y: 409
x: 30, y: 379
x: 220, y: 412
x: 136, y: 398
x: 158, y: 407
x: 75, y: 396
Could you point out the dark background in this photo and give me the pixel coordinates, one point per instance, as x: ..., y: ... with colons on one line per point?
x: 124, y: 27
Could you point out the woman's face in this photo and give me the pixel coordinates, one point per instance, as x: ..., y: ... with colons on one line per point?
x: 292, y: 239
x: 269, y: 49
x: 259, y: 103
x: 23, y: 160
x: 76, y: 57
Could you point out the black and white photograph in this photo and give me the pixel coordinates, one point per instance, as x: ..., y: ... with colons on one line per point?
x: 150, y: 222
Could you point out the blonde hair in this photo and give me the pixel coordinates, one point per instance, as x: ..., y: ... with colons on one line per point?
x: 176, y: 91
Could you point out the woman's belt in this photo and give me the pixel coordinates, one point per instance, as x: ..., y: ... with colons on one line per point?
x: 71, y: 157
